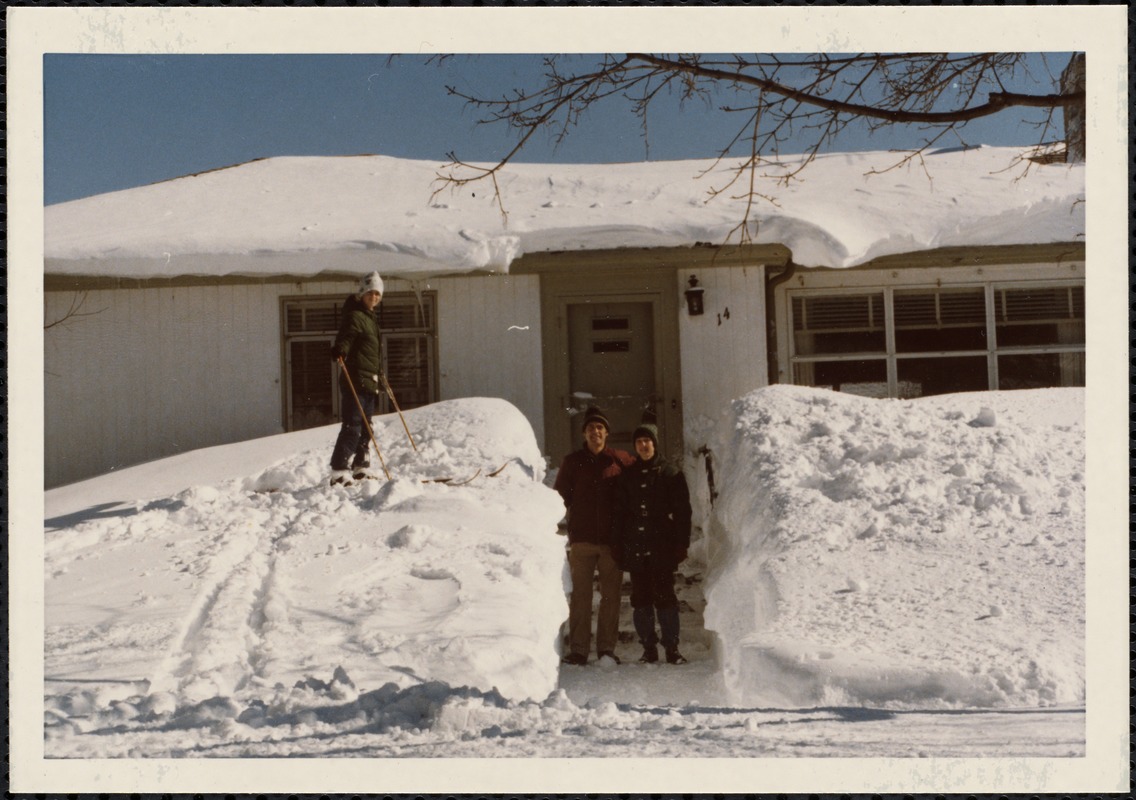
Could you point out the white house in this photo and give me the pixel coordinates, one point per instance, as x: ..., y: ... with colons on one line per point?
x: 198, y: 311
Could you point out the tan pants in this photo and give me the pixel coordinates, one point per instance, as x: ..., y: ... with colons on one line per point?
x: 584, y: 559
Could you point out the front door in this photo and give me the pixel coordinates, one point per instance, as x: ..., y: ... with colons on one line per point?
x: 610, y: 338
x: 611, y: 364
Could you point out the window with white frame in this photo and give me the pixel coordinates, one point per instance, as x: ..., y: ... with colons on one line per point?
x: 408, y: 333
x: 920, y: 341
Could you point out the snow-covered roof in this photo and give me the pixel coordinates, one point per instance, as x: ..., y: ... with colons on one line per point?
x: 844, y: 209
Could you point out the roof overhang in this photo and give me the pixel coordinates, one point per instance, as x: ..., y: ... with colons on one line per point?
x: 639, y: 259
x: 979, y: 256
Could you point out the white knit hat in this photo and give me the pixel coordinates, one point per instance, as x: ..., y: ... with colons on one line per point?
x: 371, y: 283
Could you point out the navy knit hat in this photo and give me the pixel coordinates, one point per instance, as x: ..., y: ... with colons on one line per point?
x: 593, y: 414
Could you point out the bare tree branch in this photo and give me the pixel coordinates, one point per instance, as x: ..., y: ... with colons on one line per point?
x: 74, y: 311
x: 816, y: 97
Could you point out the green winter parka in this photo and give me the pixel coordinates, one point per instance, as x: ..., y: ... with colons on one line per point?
x: 358, y: 344
x: 652, y: 512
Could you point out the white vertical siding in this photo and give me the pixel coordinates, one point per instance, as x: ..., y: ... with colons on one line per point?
x: 159, y: 371
x: 723, y: 357
x: 163, y: 370
x: 489, y: 341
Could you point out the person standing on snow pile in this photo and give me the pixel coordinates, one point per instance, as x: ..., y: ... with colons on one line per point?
x: 586, y: 481
x: 653, y: 533
x: 357, y: 349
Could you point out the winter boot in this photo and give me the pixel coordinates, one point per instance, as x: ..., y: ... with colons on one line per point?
x: 340, y: 477
x: 361, y: 467
x: 650, y: 655
x: 674, y: 656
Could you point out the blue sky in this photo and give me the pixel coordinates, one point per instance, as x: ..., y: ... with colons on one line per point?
x: 113, y: 121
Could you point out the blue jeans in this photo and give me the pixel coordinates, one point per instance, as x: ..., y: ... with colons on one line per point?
x: 353, y: 439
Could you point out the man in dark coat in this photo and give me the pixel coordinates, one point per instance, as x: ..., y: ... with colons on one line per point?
x: 586, y: 481
x: 358, y: 352
x: 653, y: 532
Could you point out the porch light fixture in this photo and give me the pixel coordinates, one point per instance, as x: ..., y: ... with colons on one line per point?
x: 694, y: 297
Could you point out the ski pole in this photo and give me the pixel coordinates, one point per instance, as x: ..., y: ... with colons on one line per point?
x: 390, y: 394
x: 363, y: 414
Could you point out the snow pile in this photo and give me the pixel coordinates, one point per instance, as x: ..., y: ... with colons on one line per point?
x: 900, y: 553
x: 845, y: 209
x: 241, y: 593
x: 872, y: 560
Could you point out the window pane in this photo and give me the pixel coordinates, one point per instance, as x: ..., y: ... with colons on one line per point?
x: 1041, y: 370
x: 1026, y: 335
x: 409, y: 369
x: 867, y: 377
x: 839, y: 324
x: 940, y: 340
x: 824, y: 344
x: 312, y: 317
x: 313, y: 395
x: 1054, y: 303
x: 838, y: 312
x: 402, y: 313
x: 933, y: 320
x: 1041, y: 316
x: 321, y: 318
x: 929, y: 376
x: 311, y: 385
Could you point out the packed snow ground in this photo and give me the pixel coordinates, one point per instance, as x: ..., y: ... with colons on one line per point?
x: 878, y: 578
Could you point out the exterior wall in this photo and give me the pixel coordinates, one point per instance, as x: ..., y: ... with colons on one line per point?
x: 157, y: 371
x: 723, y: 358
x: 724, y: 350
x: 489, y: 341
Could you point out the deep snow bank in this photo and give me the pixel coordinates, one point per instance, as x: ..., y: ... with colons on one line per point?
x: 238, y: 593
x: 847, y: 209
x: 926, y: 552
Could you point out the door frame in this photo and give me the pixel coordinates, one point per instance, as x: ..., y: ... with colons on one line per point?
x: 557, y: 292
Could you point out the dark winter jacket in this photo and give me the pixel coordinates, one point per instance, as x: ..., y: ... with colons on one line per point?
x: 586, y: 481
x: 652, y: 512
x: 358, y: 343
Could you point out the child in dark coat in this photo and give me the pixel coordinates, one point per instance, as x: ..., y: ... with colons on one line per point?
x: 652, y: 523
